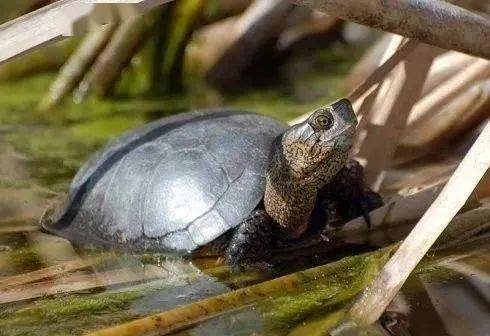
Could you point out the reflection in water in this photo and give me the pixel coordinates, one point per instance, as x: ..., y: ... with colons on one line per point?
x: 19, y: 198
x: 453, y: 300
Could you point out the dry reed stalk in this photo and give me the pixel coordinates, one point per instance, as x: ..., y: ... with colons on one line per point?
x: 381, y: 73
x: 402, y: 52
x: 446, y: 66
x: 51, y: 271
x: 49, y: 58
x: 80, y: 61
x: 364, y: 116
x: 368, y: 63
x: 77, y: 282
x: 63, y: 19
x: 208, y: 44
x: 465, y: 226
x: 436, y: 23
x: 315, y: 25
x: 381, y: 291
x: 391, y: 57
x: 262, y: 21
x: 125, y: 42
x: 389, y: 120
x: 17, y: 219
x: 18, y: 229
x: 468, y: 270
x: 464, y: 111
x: 190, y: 314
x: 401, y: 180
x: 444, y: 93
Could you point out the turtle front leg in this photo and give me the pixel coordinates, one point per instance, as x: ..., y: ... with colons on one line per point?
x: 351, y: 194
x: 252, y: 241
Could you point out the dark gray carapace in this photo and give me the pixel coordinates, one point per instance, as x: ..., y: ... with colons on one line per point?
x: 174, y: 185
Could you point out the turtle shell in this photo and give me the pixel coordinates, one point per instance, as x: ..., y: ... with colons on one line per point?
x: 174, y: 185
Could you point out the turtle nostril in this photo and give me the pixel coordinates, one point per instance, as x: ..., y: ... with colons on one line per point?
x: 342, y: 104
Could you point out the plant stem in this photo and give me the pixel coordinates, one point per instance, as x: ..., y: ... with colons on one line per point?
x: 434, y: 22
x: 379, y: 294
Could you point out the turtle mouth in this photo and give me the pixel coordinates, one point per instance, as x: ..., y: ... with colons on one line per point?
x: 342, y: 141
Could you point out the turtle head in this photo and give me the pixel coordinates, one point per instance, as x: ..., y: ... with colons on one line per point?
x: 316, y: 149
x: 305, y: 158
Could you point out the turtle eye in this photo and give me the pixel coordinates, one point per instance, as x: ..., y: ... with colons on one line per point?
x: 324, y: 121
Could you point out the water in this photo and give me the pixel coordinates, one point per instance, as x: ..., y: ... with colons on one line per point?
x: 39, y: 154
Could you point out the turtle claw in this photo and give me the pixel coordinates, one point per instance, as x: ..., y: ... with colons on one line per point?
x: 365, y: 212
x: 352, y: 196
x: 361, y: 206
x: 370, y: 201
x: 367, y: 219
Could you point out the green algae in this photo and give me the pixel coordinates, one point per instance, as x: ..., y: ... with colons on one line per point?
x: 12, y: 183
x: 315, y: 306
x: 18, y: 260
x: 68, y: 315
x: 78, y: 313
x: 58, y: 309
x: 321, y: 304
x: 19, y: 99
x: 322, y: 298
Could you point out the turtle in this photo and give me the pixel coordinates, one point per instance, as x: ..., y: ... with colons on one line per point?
x: 229, y: 177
